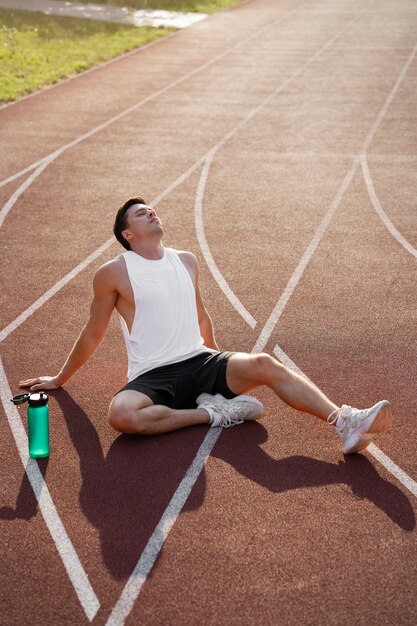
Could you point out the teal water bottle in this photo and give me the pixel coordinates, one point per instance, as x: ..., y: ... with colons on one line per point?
x: 38, y: 423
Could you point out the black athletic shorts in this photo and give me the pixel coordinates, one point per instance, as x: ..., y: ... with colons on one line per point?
x: 178, y: 385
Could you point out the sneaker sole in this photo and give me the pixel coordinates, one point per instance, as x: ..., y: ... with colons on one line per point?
x: 382, y: 421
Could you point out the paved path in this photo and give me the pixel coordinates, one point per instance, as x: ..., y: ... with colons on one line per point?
x: 278, y: 143
x: 107, y: 13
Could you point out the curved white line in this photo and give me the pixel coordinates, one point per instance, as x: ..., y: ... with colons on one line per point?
x: 25, y: 185
x: 380, y: 211
x: 205, y: 249
x: 199, y: 203
x: 28, y: 169
x: 305, y: 259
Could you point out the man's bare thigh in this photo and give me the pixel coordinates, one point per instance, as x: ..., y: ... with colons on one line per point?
x: 242, y: 373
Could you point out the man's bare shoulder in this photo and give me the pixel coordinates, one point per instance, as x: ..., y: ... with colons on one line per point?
x: 188, y: 258
x: 111, y: 273
x: 190, y: 263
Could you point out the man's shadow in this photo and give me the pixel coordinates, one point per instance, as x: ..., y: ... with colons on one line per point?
x: 125, y: 494
x: 355, y: 473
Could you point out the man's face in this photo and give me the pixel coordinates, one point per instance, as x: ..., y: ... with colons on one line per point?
x: 142, y: 221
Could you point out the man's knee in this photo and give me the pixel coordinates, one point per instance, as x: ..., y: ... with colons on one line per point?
x: 267, y: 367
x: 125, y: 419
x: 125, y: 412
x: 121, y: 418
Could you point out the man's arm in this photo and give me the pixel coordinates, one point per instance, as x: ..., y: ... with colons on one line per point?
x: 105, y: 297
x: 204, y: 321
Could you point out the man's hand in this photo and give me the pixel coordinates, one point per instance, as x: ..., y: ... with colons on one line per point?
x: 42, y: 382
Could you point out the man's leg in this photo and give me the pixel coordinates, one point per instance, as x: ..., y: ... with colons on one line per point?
x: 247, y: 371
x: 134, y: 413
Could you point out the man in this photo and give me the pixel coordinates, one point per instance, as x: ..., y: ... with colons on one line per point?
x: 177, y: 376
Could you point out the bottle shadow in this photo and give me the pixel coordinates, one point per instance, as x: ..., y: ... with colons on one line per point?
x: 26, y: 504
x: 355, y: 473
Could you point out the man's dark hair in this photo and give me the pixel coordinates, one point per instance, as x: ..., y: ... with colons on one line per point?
x: 120, y: 222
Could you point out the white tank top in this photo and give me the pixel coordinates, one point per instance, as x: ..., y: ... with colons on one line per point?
x: 165, y: 327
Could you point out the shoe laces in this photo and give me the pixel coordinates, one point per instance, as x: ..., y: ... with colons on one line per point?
x: 350, y: 418
x: 227, y: 421
x: 230, y: 415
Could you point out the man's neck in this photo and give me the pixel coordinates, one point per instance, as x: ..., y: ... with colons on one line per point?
x: 153, y: 251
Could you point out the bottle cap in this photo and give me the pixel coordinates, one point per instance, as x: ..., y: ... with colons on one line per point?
x: 21, y: 398
x: 38, y: 398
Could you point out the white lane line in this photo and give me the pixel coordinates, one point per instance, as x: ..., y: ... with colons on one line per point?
x: 393, y: 468
x: 205, y: 249
x: 88, y: 260
x: 382, y: 458
x: 299, y: 271
x: 28, y: 169
x: 127, y: 599
x: 152, y: 96
x: 76, y: 573
x: 380, y: 211
x: 198, y: 205
x: 285, y: 359
x: 305, y: 259
x: 388, y: 101
x: 208, y: 155
x: 53, y: 290
x: 25, y: 185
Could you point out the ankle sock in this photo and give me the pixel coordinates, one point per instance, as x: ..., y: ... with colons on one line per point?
x: 210, y: 411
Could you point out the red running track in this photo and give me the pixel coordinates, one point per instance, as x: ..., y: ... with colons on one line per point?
x: 278, y: 143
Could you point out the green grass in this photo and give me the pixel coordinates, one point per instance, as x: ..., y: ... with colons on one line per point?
x: 38, y: 50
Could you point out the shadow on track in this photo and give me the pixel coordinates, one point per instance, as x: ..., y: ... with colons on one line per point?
x: 355, y: 472
x: 26, y: 503
x: 125, y: 493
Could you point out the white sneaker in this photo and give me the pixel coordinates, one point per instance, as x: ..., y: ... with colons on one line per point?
x: 228, y: 413
x: 358, y: 427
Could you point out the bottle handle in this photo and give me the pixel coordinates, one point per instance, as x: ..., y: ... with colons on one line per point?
x: 21, y: 398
